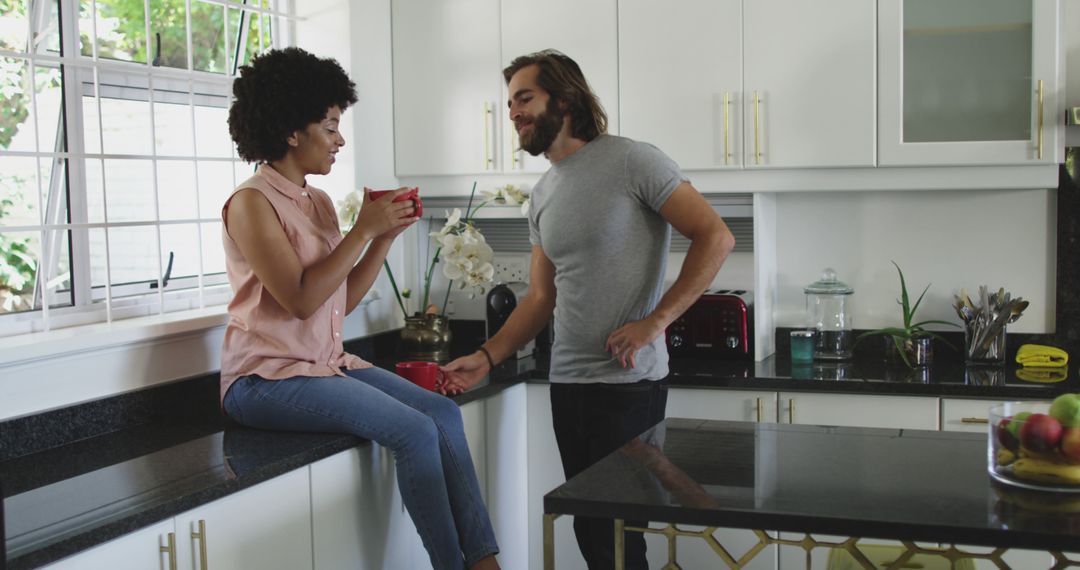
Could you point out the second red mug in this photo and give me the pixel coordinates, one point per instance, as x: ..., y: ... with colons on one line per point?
x: 424, y: 374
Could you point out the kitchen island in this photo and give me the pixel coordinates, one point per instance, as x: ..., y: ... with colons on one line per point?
x: 906, y: 485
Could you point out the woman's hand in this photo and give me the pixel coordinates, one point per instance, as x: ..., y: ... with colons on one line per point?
x: 384, y: 216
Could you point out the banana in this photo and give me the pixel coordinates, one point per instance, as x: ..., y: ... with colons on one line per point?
x: 1042, y: 471
x: 1005, y: 457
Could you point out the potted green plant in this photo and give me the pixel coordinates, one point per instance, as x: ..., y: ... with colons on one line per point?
x: 910, y: 342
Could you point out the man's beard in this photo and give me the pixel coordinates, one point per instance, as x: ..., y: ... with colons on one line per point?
x: 545, y: 127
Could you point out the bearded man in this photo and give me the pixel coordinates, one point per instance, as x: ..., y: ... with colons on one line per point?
x: 600, y: 224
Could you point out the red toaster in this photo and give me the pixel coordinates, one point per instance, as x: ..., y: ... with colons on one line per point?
x: 718, y: 326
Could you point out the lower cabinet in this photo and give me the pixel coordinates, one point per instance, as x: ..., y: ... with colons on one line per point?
x: 267, y: 526
x: 140, y: 550
x: 899, y: 412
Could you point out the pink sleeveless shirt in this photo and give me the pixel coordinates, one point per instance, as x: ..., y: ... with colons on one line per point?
x: 262, y: 337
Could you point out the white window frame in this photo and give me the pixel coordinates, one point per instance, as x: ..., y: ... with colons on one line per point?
x: 123, y: 301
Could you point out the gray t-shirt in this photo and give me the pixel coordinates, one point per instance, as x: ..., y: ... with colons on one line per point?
x: 596, y: 216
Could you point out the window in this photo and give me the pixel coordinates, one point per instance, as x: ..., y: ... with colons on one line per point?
x: 115, y: 155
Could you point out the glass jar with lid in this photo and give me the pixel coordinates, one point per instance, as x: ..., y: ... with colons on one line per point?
x: 828, y: 313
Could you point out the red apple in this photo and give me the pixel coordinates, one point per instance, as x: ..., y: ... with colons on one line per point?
x: 1070, y: 444
x: 1005, y: 437
x: 1040, y: 433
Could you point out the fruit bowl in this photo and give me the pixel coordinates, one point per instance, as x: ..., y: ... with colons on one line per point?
x: 1036, y: 445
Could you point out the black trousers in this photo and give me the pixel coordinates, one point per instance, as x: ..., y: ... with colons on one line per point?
x: 591, y: 421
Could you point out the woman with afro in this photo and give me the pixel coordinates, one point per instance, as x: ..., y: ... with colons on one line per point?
x: 295, y: 278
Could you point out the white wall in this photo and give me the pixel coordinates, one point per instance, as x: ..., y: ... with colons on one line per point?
x: 952, y: 239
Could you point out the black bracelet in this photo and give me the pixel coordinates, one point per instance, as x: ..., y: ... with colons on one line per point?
x: 491, y: 362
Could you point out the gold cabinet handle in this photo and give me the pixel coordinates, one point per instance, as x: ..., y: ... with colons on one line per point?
x: 974, y: 421
x: 1039, y: 120
x: 791, y: 411
x: 200, y: 535
x: 727, y: 133
x: 488, y: 160
x: 757, y: 128
x: 170, y: 550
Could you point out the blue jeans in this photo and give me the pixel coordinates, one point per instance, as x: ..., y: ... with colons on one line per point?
x: 424, y: 430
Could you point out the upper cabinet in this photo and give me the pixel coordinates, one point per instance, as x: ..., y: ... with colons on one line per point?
x: 969, y: 82
x: 450, y: 114
x: 585, y: 31
x: 762, y: 84
x: 446, y: 86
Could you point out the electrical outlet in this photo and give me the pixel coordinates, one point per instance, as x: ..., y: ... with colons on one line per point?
x: 509, y: 269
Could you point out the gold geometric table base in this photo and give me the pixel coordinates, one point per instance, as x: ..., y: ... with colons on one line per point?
x: 807, y: 543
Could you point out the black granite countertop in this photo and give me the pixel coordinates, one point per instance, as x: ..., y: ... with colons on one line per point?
x: 860, y: 482
x: 186, y: 461
x: 63, y: 500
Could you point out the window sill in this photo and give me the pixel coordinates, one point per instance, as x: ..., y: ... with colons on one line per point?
x: 74, y: 340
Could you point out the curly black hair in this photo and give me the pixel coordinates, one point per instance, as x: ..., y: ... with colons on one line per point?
x: 282, y: 91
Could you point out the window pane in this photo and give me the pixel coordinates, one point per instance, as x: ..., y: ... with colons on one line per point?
x: 176, y: 190
x: 16, y: 133
x: 215, y: 185
x: 48, y: 37
x: 256, y: 24
x: 133, y: 255
x: 95, y: 193
x: 56, y: 269
x: 48, y: 99
x: 18, y: 270
x: 212, y: 132
x: 129, y: 186
x: 126, y: 126
x: 213, y: 250
x: 182, y: 240
x: 168, y: 21
x: 13, y: 26
x: 121, y: 29
x: 173, y: 131
x: 207, y: 36
x: 91, y: 126
x: 18, y: 187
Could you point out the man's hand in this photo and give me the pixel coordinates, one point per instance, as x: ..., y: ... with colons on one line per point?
x: 629, y: 338
x: 463, y: 373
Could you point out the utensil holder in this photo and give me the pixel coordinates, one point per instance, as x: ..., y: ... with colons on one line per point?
x: 987, y: 351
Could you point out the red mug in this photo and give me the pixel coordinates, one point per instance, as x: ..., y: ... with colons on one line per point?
x: 423, y: 374
x: 413, y: 194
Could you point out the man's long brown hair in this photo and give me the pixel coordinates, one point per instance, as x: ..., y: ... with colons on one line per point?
x: 561, y: 77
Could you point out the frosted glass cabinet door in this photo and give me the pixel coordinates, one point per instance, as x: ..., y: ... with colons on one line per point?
x: 969, y: 81
x: 683, y: 96
x: 446, y: 86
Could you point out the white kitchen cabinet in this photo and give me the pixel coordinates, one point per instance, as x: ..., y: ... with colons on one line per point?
x: 507, y: 474
x: 585, y: 31
x: 729, y: 405
x: 267, y: 526
x: 965, y: 415
x: 970, y: 82
x: 808, y: 86
x: 899, y: 412
x: 732, y: 90
x: 446, y: 86
x: 683, y: 96
x: 140, y: 550
x: 545, y: 474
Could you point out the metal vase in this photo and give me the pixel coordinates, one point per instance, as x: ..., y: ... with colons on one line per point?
x: 425, y: 337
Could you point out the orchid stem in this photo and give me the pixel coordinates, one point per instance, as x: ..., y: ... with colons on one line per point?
x: 393, y: 284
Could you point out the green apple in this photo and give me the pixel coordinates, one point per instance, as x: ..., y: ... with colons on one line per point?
x: 1066, y: 409
x: 1016, y: 422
